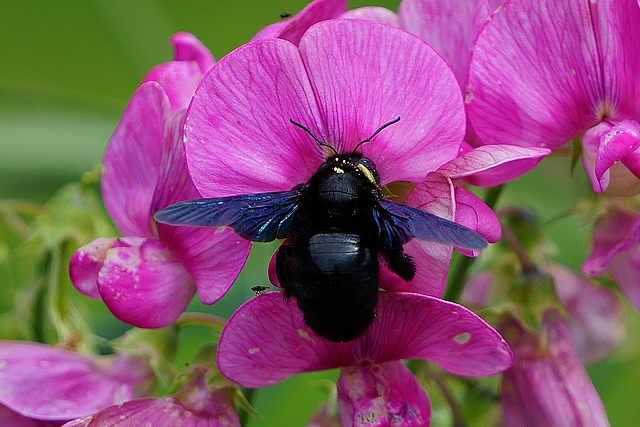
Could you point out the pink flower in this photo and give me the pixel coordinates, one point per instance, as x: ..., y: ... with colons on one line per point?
x: 547, y: 384
x: 42, y: 382
x: 344, y: 81
x: 449, y: 28
x: 544, y: 72
x: 195, y: 404
x: 148, y: 277
x: 374, y: 387
x: 616, y: 245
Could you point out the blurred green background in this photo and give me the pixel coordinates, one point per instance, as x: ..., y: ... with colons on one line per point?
x: 67, y: 72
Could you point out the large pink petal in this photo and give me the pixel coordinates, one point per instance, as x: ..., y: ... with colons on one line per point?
x: 132, y: 160
x: 450, y: 27
x: 366, y: 74
x: 547, y: 384
x: 48, y: 383
x: 143, y: 284
x: 491, y: 165
x: 535, y: 77
x: 238, y: 136
x: 381, y: 395
x: 407, y: 325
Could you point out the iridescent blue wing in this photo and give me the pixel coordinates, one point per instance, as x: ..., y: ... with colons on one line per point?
x: 400, y: 223
x: 259, y: 217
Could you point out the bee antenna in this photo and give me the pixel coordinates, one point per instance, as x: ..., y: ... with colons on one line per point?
x: 324, y: 144
x: 396, y: 120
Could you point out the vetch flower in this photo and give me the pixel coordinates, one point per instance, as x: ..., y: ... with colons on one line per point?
x: 43, y: 382
x: 344, y: 80
x: 543, y: 73
x: 374, y: 387
x: 547, y: 384
x: 148, y: 277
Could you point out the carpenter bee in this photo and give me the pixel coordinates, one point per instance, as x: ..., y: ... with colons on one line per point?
x: 338, y: 227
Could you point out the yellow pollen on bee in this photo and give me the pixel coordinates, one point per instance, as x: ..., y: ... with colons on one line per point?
x: 366, y: 172
x: 338, y: 170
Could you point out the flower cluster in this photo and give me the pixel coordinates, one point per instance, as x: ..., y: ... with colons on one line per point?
x: 482, y: 92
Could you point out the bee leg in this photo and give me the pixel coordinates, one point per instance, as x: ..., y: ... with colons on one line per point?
x: 283, y: 269
x: 399, y: 263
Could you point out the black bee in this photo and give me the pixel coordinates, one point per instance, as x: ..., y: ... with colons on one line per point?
x: 337, y: 226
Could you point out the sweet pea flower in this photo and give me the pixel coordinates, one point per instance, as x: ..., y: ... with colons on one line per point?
x: 449, y: 28
x: 344, y: 80
x: 544, y: 72
x: 547, y: 384
x: 374, y: 387
x: 616, y: 245
x: 148, y: 276
x: 39, y: 382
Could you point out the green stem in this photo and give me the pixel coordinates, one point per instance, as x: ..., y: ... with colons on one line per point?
x: 201, y: 319
x: 249, y: 394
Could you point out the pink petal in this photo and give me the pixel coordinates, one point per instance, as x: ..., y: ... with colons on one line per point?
x: 188, y: 48
x: 547, y: 384
x: 132, y: 161
x: 48, y: 383
x: 292, y: 29
x: 381, y: 395
x: 449, y: 27
x: 213, y: 257
x: 607, y: 144
x: 180, y: 77
x: 534, y: 77
x: 86, y: 262
x: 407, y: 325
x: 618, y: 230
x: 434, y: 195
x: 373, y: 13
x: 143, y: 284
x: 473, y: 213
x: 243, y: 107
x: 597, y: 316
x: 615, y: 26
x: 365, y: 74
x: 491, y: 165
x: 179, y: 80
